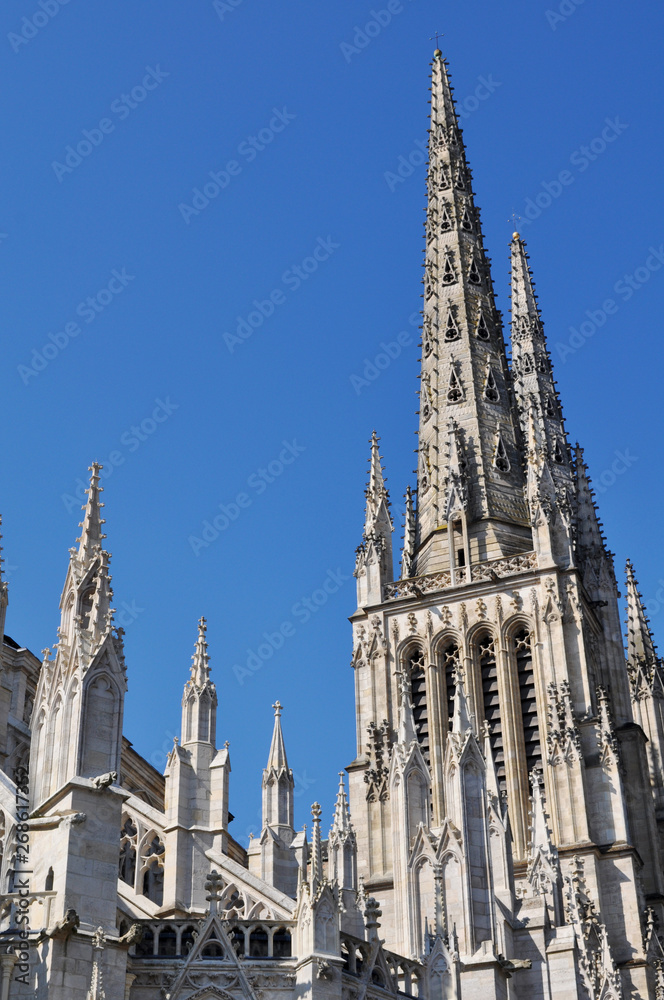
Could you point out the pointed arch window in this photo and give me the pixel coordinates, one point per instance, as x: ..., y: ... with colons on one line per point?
x: 522, y: 650
x: 449, y: 274
x: 85, y: 607
x: 452, y: 331
x: 153, y: 873
x: 466, y: 221
x: 500, y: 459
x: 558, y: 455
x: 443, y: 178
x: 445, y: 220
x: 491, y: 393
x: 418, y: 694
x: 454, y: 390
x: 474, y: 275
x: 482, y: 328
x: 549, y: 408
x: 459, y: 179
x: 128, y: 837
x: 486, y: 657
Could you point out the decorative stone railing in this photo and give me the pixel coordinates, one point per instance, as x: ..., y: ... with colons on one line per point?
x: 492, y: 570
x: 252, y: 939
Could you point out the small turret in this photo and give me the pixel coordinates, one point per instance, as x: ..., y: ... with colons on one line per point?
x: 278, y: 784
x: 199, y: 700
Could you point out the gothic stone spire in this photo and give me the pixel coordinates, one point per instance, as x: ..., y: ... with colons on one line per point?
x: 464, y: 373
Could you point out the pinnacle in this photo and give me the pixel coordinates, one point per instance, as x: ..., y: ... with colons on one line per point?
x: 524, y: 300
x: 341, y: 822
x: 200, y: 669
x: 277, y: 759
x: 640, y: 644
x: 461, y: 721
x: 377, y: 516
x: 90, y: 541
x: 316, y: 874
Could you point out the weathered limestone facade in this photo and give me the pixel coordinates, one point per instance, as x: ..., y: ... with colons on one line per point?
x: 502, y: 833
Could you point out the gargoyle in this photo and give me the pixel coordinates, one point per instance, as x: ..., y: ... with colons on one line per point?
x: 105, y: 780
x: 133, y: 935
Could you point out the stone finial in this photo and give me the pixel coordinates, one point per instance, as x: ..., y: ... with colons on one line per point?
x: 372, y: 912
x: 214, y: 884
x: 316, y: 875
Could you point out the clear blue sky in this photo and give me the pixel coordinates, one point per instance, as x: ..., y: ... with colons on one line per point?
x: 313, y: 177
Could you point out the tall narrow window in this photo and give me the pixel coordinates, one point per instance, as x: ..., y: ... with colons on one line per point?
x: 524, y: 667
x: 418, y: 691
x: 128, y: 836
x: 487, y: 662
x: 451, y: 663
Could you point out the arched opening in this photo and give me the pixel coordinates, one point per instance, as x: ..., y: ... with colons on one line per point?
x: 127, y: 866
x: 85, y: 606
x: 258, y: 943
x: 48, y: 884
x: 418, y: 692
x: 145, y: 946
x: 281, y: 943
x: 187, y: 940
x: 486, y: 655
x: 167, y: 946
x: 212, y: 949
x: 237, y: 940
x: 522, y: 648
x: 153, y: 874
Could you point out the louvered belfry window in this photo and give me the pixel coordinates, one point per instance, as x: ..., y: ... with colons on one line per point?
x: 524, y: 666
x: 487, y: 662
x: 418, y: 690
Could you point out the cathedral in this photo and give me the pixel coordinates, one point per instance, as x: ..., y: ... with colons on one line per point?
x: 499, y: 834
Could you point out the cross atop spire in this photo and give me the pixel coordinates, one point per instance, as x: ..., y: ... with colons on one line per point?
x: 92, y: 535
